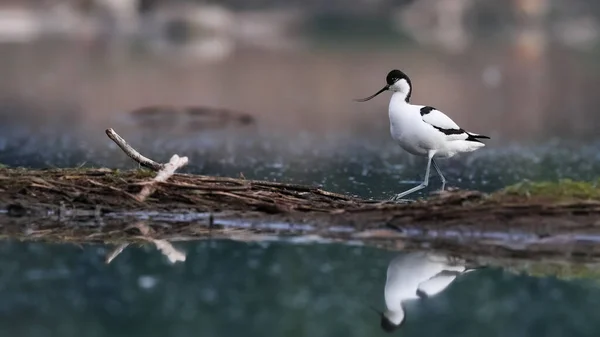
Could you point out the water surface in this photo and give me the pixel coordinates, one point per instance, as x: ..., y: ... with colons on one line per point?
x: 267, y: 289
x: 56, y: 101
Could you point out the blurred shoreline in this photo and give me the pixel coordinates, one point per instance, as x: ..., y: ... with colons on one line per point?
x: 520, y: 76
x: 497, y: 90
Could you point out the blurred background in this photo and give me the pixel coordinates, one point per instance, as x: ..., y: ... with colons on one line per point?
x: 265, y: 88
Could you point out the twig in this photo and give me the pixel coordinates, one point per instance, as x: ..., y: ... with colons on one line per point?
x: 333, y: 195
x: 164, y: 246
x: 112, y: 188
x: 115, y: 252
x: 296, y: 187
x: 167, y: 249
x: 165, y: 173
x: 250, y: 200
x: 203, y: 188
x: 132, y: 153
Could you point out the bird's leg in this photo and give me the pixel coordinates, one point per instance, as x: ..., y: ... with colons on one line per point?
x: 439, y: 172
x: 422, y: 185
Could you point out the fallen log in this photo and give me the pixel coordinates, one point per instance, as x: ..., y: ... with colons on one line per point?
x: 96, y: 205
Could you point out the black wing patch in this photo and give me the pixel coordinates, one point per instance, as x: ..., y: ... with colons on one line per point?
x: 426, y: 109
x: 450, y: 131
x: 470, y: 137
x: 473, y: 138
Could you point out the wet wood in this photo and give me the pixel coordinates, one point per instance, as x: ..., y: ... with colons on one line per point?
x: 98, y: 205
x: 106, y: 191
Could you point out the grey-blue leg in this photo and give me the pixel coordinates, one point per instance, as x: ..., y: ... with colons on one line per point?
x: 422, y: 185
x: 439, y: 172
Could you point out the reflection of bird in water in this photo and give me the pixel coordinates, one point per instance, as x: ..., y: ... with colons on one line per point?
x: 411, y: 276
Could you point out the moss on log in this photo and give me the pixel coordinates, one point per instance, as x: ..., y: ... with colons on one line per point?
x: 563, y: 190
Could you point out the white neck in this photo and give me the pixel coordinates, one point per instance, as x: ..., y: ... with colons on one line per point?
x: 398, y: 98
x: 402, y: 88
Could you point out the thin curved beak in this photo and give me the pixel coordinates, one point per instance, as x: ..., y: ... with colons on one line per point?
x: 370, y: 97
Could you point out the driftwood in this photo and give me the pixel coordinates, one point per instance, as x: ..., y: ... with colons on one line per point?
x: 91, y: 205
x: 190, y: 118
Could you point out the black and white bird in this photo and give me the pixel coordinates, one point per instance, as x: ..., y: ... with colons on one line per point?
x: 416, y: 275
x: 423, y: 130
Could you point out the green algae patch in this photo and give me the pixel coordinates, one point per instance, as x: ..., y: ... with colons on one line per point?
x: 567, y: 271
x: 565, y: 189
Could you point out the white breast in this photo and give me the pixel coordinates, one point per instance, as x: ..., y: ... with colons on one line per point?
x: 407, y: 127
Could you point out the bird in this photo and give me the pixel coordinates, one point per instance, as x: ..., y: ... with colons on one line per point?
x: 417, y: 275
x: 423, y: 130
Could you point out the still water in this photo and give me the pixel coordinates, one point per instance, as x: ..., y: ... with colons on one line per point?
x: 57, y: 101
x: 231, y: 288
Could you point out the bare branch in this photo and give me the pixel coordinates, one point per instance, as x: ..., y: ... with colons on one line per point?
x: 167, y: 249
x: 132, y: 153
x: 165, y: 173
x: 115, y: 252
x: 164, y: 246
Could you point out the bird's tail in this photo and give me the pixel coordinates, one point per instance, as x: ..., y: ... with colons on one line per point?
x: 474, y: 137
x: 477, y: 136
